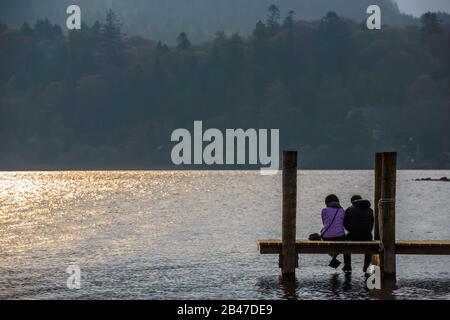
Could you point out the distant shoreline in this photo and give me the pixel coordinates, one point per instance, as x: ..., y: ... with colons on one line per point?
x: 75, y: 169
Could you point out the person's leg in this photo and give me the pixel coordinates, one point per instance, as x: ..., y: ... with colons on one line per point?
x: 342, y: 238
x: 347, y: 262
x: 334, y: 263
x: 367, y: 257
x: 367, y: 260
x: 347, y: 259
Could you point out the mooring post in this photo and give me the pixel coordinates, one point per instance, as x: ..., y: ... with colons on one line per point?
x: 377, y: 195
x: 288, y: 258
x: 387, y: 215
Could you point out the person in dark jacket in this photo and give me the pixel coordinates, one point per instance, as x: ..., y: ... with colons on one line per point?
x: 358, y: 222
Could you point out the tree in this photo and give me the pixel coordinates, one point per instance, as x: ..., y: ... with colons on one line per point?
x: 112, y: 38
x: 83, y: 45
x: 220, y: 39
x: 430, y: 25
x: 112, y: 26
x: 183, y: 42
x: 56, y: 31
x: 43, y: 29
x: 161, y: 49
x: 289, y: 20
x: 331, y: 23
x: 236, y: 50
x: 3, y: 27
x: 335, y: 42
x: 260, y: 32
x: 287, y: 48
x: 273, y: 17
x: 96, y: 28
x: 260, y: 43
x: 26, y: 29
x: 216, y: 56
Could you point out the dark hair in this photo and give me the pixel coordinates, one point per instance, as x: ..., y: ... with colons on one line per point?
x: 356, y: 197
x: 331, y: 198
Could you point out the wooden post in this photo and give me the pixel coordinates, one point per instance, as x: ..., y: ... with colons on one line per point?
x: 288, y: 256
x: 387, y: 216
x: 377, y: 195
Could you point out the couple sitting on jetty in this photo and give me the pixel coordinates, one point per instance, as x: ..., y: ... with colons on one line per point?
x: 358, y: 220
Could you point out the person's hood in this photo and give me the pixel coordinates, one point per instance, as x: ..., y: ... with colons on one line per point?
x: 364, y: 204
x: 334, y: 205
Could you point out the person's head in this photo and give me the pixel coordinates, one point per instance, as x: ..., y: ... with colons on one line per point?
x: 331, y: 198
x: 356, y: 197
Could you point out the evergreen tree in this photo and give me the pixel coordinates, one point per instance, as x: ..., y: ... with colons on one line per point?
x: 260, y: 32
x: 26, y: 29
x: 220, y: 39
x: 161, y: 49
x: 430, y: 25
x: 289, y: 20
x: 273, y: 18
x: 236, y: 51
x: 3, y: 27
x: 183, y: 42
x: 43, y: 29
x: 96, y: 28
x: 112, y: 38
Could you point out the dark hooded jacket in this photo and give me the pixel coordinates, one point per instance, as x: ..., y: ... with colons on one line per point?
x: 359, y: 221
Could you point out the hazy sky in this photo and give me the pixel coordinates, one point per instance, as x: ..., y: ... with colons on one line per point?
x: 418, y: 7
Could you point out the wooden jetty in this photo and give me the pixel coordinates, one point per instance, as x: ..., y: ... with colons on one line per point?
x: 384, y: 248
x: 411, y: 247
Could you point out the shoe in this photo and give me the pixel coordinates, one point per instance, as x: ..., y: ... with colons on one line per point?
x: 334, y: 263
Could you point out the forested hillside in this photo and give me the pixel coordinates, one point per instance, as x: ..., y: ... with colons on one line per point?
x: 337, y: 91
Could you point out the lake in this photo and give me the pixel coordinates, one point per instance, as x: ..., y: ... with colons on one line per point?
x: 192, y: 235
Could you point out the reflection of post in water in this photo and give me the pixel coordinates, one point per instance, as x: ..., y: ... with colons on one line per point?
x: 289, y: 287
x: 334, y: 284
x: 347, y: 286
x: 386, y: 292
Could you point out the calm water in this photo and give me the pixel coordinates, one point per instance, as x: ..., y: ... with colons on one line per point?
x: 164, y: 234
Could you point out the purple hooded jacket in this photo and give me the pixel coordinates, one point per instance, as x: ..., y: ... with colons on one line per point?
x: 337, y: 228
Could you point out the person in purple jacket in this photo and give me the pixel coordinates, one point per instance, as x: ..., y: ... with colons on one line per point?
x: 333, y: 228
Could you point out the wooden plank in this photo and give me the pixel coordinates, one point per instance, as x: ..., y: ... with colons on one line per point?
x: 269, y: 246
x: 411, y: 247
x: 311, y: 247
x: 423, y: 247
